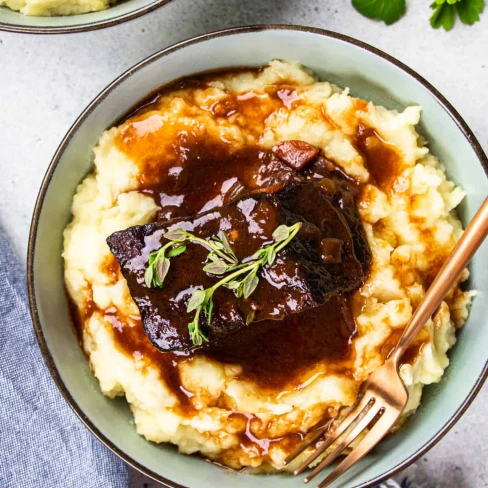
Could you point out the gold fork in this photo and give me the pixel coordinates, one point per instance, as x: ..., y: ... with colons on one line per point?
x: 382, y: 397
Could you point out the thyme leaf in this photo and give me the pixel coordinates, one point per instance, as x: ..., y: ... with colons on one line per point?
x: 250, y: 317
x: 240, y: 277
x: 158, y: 262
x: 162, y: 268
x: 176, y: 251
x: 177, y: 234
x: 196, y: 300
x: 281, y: 233
x: 215, y: 267
x: 250, y: 283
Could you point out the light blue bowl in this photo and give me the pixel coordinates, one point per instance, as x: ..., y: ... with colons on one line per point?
x: 370, y: 74
x: 13, y: 21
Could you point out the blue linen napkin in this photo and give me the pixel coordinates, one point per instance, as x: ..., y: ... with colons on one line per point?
x: 42, y: 442
x: 412, y: 477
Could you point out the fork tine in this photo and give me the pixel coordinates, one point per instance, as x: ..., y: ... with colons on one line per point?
x: 377, y: 432
x: 309, y: 439
x: 351, y: 416
x: 361, y: 425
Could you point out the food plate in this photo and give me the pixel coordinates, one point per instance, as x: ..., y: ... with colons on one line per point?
x: 13, y: 21
x: 370, y: 75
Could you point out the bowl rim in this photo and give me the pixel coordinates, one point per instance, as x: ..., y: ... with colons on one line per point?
x: 445, y: 104
x: 83, y: 26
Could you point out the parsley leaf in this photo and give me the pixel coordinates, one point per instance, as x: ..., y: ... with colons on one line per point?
x: 444, y: 15
x: 469, y: 10
x: 389, y: 11
x: 445, y: 12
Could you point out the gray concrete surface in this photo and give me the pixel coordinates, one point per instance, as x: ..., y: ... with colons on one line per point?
x: 45, y: 82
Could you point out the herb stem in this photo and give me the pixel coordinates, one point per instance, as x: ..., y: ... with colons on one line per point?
x: 210, y: 291
x: 201, y: 300
x: 162, y: 250
x: 293, y: 232
x: 248, y: 267
x: 196, y: 334
x: 253, y: 265
x: 210, y: 246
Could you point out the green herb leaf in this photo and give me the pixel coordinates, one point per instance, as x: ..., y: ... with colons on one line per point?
x: 208, y: 311
x: 222, y: 261
x: 281, y: 233
x: 233, y: 285
x: 208, y: 294
x: 250, y: 317
x: 271, y: 255
x: 227, y: 246
x: 162, y: 268
x: 240, y: 290
x: 177, y: 234
x: 445, y: 12
x: 196, y: 334
x: 260, y: 253
x: 215, y: 267
x: 148, y: 276
x: 469, y: 10
x: 444, y: 16
x: 250, y: 283
x: 213, y: 257
x: 197, y: 299
x: 176, y: 251
x: 156, y: 281
x: 217, y: 243
x: 389, y: 11
x: 198, y: 337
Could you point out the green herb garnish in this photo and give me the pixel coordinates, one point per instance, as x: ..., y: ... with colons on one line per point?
x: 445, y: 11
x: 159, y: 261
x: 242, y: 277
x: 389, y: 11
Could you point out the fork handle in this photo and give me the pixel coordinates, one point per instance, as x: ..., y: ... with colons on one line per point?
x: 464, y: 250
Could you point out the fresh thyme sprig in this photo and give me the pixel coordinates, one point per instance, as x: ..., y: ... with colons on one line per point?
x: 222, y: 260
x: 201, y: 300
x: 159, y: 261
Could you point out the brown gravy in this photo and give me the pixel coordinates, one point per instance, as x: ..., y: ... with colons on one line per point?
x: 195, y: 175
x: 384, y: 162
x: 275, y: 353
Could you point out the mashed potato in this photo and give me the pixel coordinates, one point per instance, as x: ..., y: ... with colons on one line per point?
x: 409, y: 221
x: 48, y: 8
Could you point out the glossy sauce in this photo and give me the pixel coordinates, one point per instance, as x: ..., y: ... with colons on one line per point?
x: 383, y: 160
x: 130, y: 337
x: 412, y: 351
x: 195, y: 175
x: 198, y: 173
x: 274, y: 353
x: 262, y: 446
